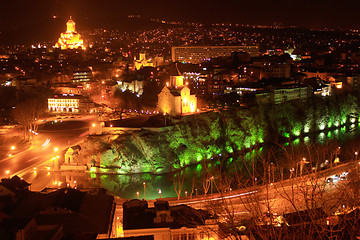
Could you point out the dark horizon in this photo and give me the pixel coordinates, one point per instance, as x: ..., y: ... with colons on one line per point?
x: 20, y: 19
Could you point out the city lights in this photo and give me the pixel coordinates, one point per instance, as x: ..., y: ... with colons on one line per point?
x: 213, y: 116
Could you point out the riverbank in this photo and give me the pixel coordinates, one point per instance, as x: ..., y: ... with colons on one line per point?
x: 200, y: 137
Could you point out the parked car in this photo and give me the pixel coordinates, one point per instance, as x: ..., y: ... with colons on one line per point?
x: 272, y: 219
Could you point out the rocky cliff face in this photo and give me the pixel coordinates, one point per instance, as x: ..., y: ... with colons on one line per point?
x: 198, y: 137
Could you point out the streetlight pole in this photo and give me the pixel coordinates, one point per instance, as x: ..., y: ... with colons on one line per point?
x: 144, y: 183
x: 302, y: 165
x: 211, y: 183
x: 336, y: 156
x: 159, y: 191
x: 138, y: 195
x: 356, y: 154
x: 56, y: 159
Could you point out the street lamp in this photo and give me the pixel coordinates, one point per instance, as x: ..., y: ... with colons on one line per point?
x: 336, y: 156
x: 138, y: 195
x: 144, y: 183
x: 185, y: 194
x: 356, y: 154
x: 211, y: 183
x: 291, y: 172
x: 56, y: 149
x: 159, y: 191
x: 272, y: 171
x: 12, y: 148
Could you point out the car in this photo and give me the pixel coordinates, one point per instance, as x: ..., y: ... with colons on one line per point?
x: 329, y: 180
x: 332, y: 220
x: 343, y: 178
x: 272, y: 219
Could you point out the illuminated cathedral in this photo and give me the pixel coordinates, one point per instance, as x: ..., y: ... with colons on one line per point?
x: 70, y: 39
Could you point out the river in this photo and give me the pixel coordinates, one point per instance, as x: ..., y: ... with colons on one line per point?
x: 196, y: 178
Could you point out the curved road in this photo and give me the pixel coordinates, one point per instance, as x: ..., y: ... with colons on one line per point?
x: 41, y: 152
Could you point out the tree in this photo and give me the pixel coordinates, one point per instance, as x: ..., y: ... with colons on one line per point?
x: 302, y: 207
x: 117, y: 104
x: 27, y: 113
x: 178, y: 180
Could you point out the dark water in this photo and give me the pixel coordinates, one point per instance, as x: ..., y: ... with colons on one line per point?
x: 199, y: 176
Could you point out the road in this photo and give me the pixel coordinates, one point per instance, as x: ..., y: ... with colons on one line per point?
x: 280, y: 197
x: 277, y: 195
x: 25, y: 164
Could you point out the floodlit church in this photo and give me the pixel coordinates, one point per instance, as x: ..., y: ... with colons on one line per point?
x: 70, y: 39
x: 175, y: 98
x: 142, y: 61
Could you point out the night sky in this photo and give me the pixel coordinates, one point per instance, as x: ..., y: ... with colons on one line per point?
x: 27, y: 15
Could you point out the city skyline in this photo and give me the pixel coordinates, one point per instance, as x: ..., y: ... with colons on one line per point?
x: 307, y: 14
x: 179, y: 120
x: 45, y: 17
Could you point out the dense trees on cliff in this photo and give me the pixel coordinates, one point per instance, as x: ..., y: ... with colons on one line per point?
x: 202, y: 136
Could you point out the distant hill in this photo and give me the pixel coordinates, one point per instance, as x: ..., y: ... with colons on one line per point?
x: 45, y: 30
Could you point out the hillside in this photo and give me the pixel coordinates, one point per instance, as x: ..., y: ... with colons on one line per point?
x: 198, y: 137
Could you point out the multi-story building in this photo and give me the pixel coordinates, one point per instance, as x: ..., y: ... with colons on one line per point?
x: 353, y: 81
x: 284, y: 93
x: 70, y: 103
x: 319, y: 86
x: 135, y: 86
x: 318, y: 74
x: 276, y: 71
x: 81, y: 76
x: 197, y: 54
x: 53, y: 213
x: 199, y: 85
x: 64, y: 103
x: 68, y: 89
x: 166, y: 222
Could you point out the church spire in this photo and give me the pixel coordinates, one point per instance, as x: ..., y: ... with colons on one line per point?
x: 70, y: 26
